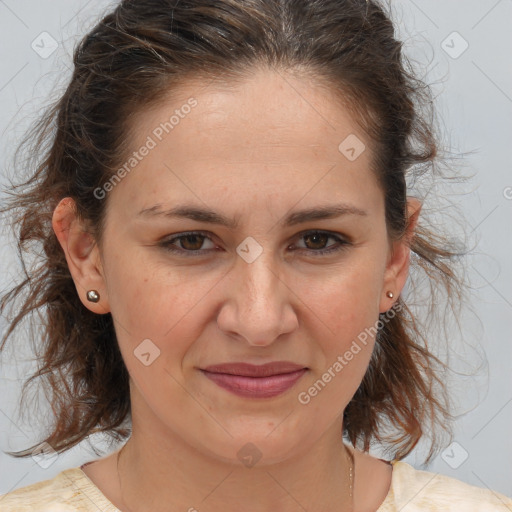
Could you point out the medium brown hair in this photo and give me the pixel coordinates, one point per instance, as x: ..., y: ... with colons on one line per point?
x: 132, y: 59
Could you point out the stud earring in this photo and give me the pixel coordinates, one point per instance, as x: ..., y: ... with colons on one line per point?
x: 389, y: 294
x: 93, y: 296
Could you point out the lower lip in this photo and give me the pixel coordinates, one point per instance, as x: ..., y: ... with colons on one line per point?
x: 256, y: 387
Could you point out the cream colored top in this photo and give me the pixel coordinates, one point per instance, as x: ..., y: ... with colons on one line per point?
x: 411, y: 491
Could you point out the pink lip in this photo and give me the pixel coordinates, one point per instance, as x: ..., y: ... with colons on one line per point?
x: 262, y: 381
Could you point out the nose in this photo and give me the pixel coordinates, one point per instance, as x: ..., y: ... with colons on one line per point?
x: 258, y: 305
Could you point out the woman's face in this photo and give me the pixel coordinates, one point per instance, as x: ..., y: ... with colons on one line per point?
x: 261, y: 160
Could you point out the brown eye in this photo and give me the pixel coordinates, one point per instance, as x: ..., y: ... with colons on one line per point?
x: 316, y: 243
x: 188, y: 244
x: 192, y: 242
x: 316, y: 240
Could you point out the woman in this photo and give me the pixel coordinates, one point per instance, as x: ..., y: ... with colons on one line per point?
x: 227, y: 234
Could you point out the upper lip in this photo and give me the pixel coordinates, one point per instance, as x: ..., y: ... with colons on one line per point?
x: 251, y: 370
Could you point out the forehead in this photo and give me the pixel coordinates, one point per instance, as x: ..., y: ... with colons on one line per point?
x: 268, y: 108
x: 271, y: 132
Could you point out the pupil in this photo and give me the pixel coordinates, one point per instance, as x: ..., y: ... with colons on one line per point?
x: 187, y: 239
x: 315, y: 238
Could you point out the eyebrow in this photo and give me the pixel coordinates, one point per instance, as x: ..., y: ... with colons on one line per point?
x: 201, y: 214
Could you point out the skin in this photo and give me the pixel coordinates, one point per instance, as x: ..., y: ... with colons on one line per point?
x: 255, y: 151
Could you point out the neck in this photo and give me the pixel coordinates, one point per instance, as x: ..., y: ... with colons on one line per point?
x: 161, y: 472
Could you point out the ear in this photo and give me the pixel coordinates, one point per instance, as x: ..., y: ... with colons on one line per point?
x: 397, y: 267
x: 82, y: 254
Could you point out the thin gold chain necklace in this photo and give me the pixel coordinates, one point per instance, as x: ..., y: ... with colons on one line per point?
x: 350, y: 473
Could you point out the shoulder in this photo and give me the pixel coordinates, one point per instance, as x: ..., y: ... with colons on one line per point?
x: 415, y: 490
x: 69, y: 491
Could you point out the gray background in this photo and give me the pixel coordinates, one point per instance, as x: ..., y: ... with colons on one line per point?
x: 474, y: 98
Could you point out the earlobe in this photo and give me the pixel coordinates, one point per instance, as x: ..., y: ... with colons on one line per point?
x: 397, y: 269
x: 82, y: 255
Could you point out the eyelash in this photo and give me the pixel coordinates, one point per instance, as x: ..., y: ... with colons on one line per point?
x: 168, y: 243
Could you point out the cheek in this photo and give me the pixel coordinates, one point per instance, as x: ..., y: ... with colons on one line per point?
x: 161, y: 314
x: 346, y: 308
x: 347, y: 301
x: 147, y: 298
x: 158, y: 316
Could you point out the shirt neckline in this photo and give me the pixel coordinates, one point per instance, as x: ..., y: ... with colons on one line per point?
x: 94, y: 493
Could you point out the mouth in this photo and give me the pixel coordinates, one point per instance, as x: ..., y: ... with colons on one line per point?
x: 255, y: 381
